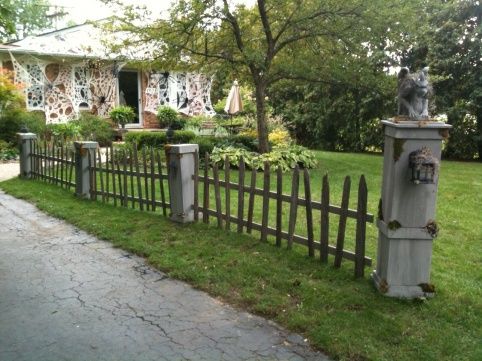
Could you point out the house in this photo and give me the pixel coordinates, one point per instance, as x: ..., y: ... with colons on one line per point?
x: 71, y: 70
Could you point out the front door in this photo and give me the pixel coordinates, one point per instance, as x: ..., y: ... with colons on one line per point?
x: 129, y: 93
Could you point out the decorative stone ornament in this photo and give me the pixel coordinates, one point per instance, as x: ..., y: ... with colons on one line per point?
x: 413, y: 93
x: 423, y: 165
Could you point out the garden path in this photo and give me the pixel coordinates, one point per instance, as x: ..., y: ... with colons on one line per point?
x: 9, y: 170
x: 65, y: 295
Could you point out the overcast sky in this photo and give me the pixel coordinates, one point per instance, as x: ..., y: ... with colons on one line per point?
x: 82, y: 10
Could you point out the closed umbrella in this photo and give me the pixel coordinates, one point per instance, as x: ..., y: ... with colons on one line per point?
x: 234, y: 103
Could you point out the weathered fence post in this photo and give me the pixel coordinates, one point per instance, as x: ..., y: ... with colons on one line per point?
x: 82, y: 172
x: 25, y: 143
x: 181, y: 162
x: 406, y: 217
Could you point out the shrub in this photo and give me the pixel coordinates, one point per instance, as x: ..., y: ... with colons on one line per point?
x: 10, y: 95
x: 196, y: 121
x: 95, y: 128
x: 219, y: 154
x: 122, y: 114
x: 249, y: 142
x: 63, y: 132
x: 279, y: 137
x: 206, y: 145
x: 168, y: 117
x: 7, y: 151
x: 158, y: 139
x: 13, y: 121
x: 284, y: 157
x: 463, y: 137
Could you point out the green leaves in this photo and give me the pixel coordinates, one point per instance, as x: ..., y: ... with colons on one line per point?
x: 29, y: 15
x: 286, y: 157
x: 122, y: 115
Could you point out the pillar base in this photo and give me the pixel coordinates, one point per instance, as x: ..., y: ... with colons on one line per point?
x: 400, y: 291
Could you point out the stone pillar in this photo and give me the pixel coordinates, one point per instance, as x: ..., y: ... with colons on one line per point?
x: 406, y: 219
x: 181, y: 163
x: 25, y: 141
x: 82, y: 173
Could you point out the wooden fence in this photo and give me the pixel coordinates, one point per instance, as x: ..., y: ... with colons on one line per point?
x: 245, y: 223
x: 126, y: 177
x: 129, y: 179
x: 52, y: 162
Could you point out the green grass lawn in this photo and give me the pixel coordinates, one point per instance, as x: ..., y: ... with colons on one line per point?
x: 346, y: 318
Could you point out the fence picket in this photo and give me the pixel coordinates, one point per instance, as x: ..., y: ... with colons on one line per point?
x: 161, y: 183
x: 279, y: 205
x: 325, y: 219
x: 107, y: 174
x: 94, y: 176
x: 146, y: 181
x: 227, y: 189
x: 264, y: 219
x: 361, y: 228
x: 340, y: 239
x: 206, y: 189
x: 309, y: 213
x: 217, y: 194
x: 114, y: 187
x: 101, y: 175
x: 119, y: 177
x: 124, y: 171
x: 153, y: 181
x: 57, y: 164
x: 49, y: 159
x: 39, y: 157
x: 71, y: 170
x: 131, y: 178
x: 62, y: 165
x: 138, y: 179
x: 196, y: 186
x: 241, y: 194
x: 293, y: 206
x: 249, y: 225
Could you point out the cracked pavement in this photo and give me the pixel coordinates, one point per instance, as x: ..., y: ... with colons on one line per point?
x: 65, y: 295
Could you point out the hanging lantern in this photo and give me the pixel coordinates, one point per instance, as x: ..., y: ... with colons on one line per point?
x: 423, y: 166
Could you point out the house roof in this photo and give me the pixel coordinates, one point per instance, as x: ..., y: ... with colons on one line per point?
x: 80, y: 41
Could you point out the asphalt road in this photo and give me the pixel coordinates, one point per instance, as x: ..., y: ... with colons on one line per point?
x: 65, y: 295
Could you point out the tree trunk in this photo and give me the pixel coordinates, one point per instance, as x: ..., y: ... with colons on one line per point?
x: 261, y: 117
x: 478, y: 115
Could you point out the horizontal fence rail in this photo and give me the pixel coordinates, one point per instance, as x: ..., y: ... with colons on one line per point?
x: 244, y: 219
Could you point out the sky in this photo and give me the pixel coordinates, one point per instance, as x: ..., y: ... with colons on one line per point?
x: 82, y: 10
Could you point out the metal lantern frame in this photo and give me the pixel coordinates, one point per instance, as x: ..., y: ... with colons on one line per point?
x: 423, y: 165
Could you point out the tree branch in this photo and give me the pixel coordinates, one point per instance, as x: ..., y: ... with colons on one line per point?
x: 267, y: 31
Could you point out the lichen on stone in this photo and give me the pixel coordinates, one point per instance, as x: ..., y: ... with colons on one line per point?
x: 432, y: 228
x: 394, y: 225
x: 398, y: 148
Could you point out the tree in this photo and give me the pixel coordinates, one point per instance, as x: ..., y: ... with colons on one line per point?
x: 451, y: 44
x: 263, y: 42
x: 455, y: 54
x: 27, y: 16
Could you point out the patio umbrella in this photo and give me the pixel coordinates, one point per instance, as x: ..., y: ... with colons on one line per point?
x: 234, y: 103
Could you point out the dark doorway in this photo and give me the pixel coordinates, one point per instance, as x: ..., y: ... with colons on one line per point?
x: 129, y: 91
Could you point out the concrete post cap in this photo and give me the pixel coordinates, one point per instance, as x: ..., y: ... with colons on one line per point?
x: 181, y: 148
x: 86, y: 145
x: 27, y: 136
